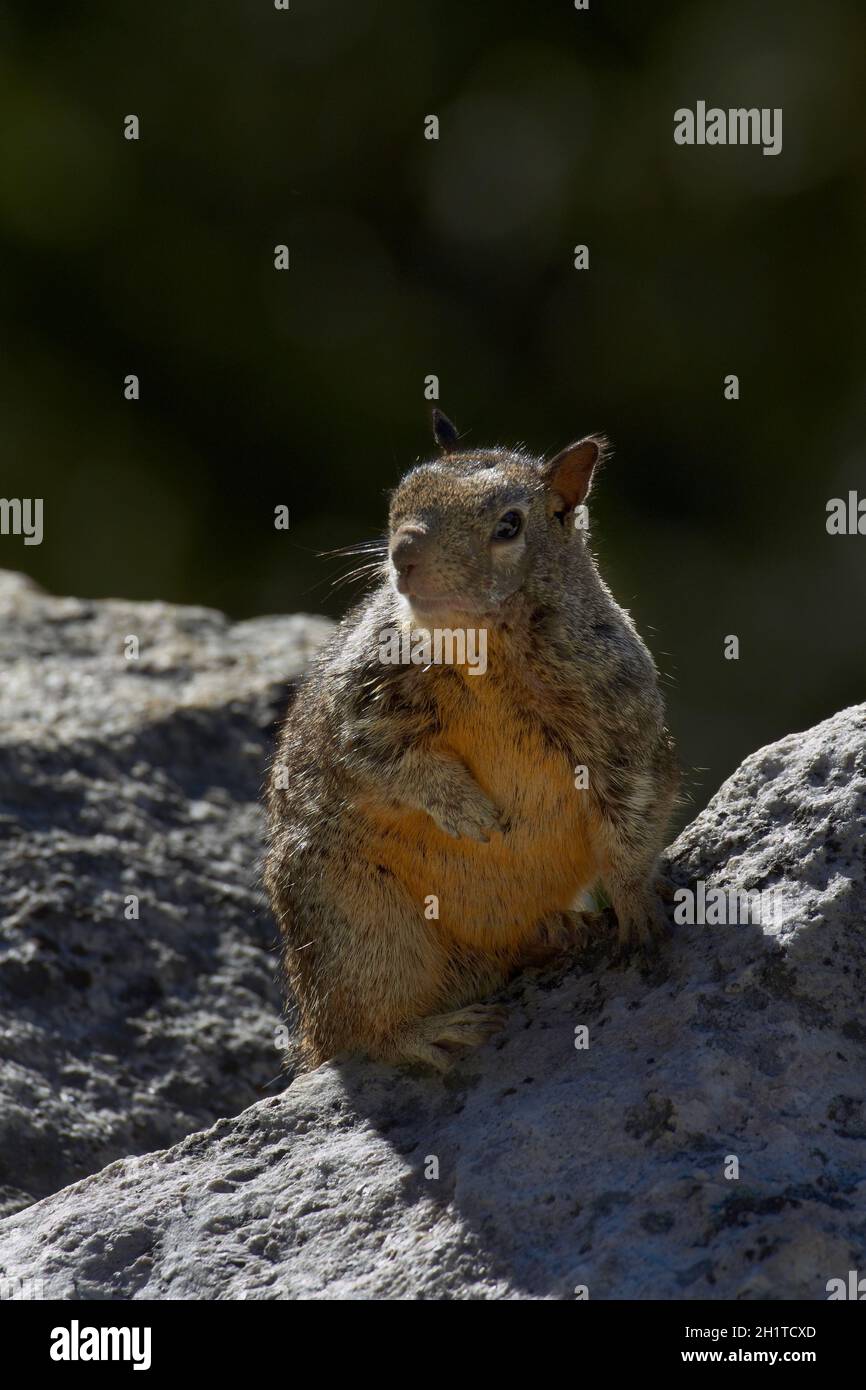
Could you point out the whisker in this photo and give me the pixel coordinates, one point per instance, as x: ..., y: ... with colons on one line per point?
x: 362, y: 572
x: 352, y: 577
x: 378, y: 547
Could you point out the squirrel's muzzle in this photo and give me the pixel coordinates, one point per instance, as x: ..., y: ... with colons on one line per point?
x: 407, y: 548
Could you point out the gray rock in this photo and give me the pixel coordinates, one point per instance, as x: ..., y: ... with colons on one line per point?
x: 557, y: 1166
x: 131, y: 777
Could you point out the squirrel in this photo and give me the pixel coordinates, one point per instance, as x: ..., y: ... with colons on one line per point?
x: 432, y: 826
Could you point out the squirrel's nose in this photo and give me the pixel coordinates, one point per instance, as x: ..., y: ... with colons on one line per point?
x: 406, y: 550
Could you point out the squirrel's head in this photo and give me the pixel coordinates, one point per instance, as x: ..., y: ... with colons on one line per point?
x: 469, y: 529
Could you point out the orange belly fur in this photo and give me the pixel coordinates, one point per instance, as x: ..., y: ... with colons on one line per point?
x: 495, y: 894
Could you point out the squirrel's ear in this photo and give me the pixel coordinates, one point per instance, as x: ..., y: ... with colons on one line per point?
x: 569, y: 474
x: 444, y: 432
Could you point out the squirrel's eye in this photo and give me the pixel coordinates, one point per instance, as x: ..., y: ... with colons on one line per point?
x: 507, y: 527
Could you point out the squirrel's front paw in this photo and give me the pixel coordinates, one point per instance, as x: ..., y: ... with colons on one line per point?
x: 470, y: 816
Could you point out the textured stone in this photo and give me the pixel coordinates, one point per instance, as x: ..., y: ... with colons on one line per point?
x: 131, y: 777
x: 557, y: 1167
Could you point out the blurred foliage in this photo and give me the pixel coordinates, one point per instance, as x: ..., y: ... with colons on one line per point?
x: 411, y: 257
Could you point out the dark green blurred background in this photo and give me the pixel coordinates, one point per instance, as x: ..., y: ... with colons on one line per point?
x: 410, y: 257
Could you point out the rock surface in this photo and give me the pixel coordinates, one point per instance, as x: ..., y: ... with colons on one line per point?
x: 120, y: 778
x: 557, y: 1166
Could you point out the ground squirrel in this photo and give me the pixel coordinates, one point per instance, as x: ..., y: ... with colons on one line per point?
x: 402, y: 790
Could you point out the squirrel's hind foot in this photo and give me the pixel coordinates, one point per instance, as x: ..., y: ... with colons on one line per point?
x: 642, y: 924
x: 438, y: 1039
